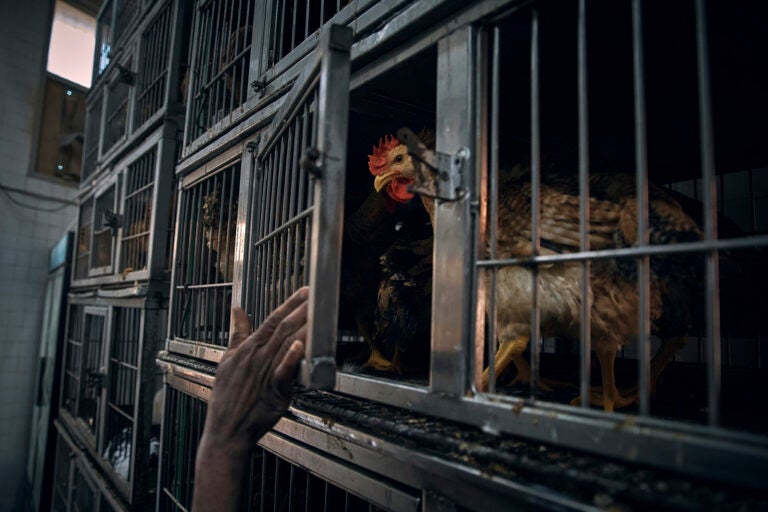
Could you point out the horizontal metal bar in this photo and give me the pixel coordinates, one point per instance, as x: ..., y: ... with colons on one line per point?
x: 137, y: 235
x: 202, y: 286
x: 341, y: 475
x: 120, y: 411
x: 652, y: 250
x: 307, y: 212
x: 742, y: 458
x: 196, y: 349
x: 123, y: 364
x: 138, y: 191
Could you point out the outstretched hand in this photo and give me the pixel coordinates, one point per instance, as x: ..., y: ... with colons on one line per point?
x: 253, y: 388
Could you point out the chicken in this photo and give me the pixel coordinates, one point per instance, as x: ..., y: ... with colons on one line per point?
x: 614, y: 297
x: 221, y: 241
x: 402, y: 322
x: 384, y: 218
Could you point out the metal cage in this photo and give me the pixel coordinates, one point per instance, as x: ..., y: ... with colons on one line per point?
x: 139, y: 181
x: 153, y: 70
x: 126, y: 13
x: 204, y: 255
x: 109, y: 387
x: 221, y: 47
x: 295, y: 203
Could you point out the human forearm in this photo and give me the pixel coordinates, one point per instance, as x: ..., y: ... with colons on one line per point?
x: 220, y: 468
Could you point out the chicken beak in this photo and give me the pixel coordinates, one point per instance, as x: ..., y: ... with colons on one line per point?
x: 383, y: 179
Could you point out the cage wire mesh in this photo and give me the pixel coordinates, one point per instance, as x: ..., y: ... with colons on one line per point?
x: 221, y: 56
x: 72, y: 360
x: 103, y: 233
x: 282, y: 197
x: 89, y: 401
x: 139, y: 183
x: 126, y: 12
x: 277, y: 484
x: 288, y: 24
x: 92, y: 133
x: 183, y: 427
x: 121, y: 390
x: 205, y: 258
x: 153, y: 67
x: 118, y: 94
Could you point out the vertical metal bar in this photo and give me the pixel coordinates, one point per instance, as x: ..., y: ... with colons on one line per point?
x: 710, y: 217
x: 641, y: 169
x: 453, y: 240
x: 585, y: 339
x: 493, y: 209
x: 535, y: 200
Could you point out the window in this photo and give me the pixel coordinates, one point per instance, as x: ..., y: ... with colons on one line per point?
x: 73, y: 33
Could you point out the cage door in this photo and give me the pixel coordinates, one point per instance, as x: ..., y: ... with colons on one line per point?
x: 297, y: 200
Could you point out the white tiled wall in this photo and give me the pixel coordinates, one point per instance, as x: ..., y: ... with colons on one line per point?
x: 26, y: 235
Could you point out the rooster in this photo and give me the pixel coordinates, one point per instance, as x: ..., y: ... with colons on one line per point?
x: 379, y: 230
x: 614, y: 297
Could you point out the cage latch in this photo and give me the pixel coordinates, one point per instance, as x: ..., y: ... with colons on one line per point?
x: 311, y: 162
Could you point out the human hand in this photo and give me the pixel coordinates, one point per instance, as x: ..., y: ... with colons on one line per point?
x: 254, y: 380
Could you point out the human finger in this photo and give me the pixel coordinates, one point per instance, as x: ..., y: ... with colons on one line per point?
x: 286, y: 370
x: 286, y: 330
x: 242, y: 328
x: 273, y: 321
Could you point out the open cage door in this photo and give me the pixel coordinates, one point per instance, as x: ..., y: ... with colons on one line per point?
x: 296, y: 203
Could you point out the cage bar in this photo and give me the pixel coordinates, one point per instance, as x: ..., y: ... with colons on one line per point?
x: 116, y: 118
x: 84, y: 239
x: 183, y: 427
x: 641, y: 170
x: 205, y: 258
x: 220, y: 62
x: 138, y: 183
x: 91, y: 141
x: 103, y: 233
x: 535, y: 336
x: 89, y: 401
x: 153, y: 67
x: 121, y: 391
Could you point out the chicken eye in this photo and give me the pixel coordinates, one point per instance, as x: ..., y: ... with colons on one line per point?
x: 398, y: 159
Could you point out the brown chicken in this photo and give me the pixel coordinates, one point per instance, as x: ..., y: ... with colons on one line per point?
x: 613, y: 217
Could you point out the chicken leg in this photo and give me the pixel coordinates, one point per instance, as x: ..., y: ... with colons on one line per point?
x: 512, y: 352
x: 608, y: 395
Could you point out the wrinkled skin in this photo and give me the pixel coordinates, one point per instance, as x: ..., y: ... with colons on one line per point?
x: 253, y: 388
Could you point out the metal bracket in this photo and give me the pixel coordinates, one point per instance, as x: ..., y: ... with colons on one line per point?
x: 311, y: 161
x: 259, y: 86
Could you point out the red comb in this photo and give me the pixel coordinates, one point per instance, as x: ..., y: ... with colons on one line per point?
x: 378, y: 160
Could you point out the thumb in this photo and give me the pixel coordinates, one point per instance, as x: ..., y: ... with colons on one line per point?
x: 242, y: 328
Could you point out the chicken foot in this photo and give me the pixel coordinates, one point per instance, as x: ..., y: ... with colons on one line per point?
x: 512, y: 352
x: 380, y: 363
x: 608, y: 395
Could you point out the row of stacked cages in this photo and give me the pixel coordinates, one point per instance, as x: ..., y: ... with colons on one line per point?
x: 593, y: 215
x: 111, y: 406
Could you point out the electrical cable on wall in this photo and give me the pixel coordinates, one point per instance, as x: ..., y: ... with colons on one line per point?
x: 8, y: 190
